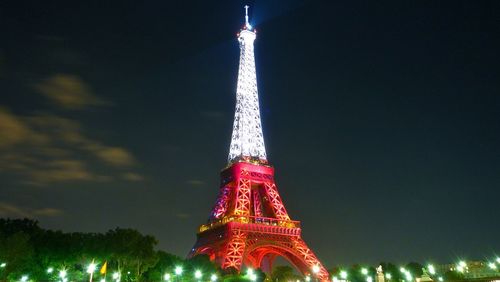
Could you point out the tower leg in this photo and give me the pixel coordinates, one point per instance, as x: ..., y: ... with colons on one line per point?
x: 310, y: 260
x: 235, y: 248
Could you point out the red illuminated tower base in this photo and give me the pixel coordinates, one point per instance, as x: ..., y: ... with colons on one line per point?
x: 249, y: 225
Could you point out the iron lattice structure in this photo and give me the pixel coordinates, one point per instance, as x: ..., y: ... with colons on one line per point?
x: 249, y: 224
x: 247, y: 139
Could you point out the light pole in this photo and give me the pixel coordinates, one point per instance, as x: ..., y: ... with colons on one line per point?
x: 462, y: 266
x: 198, y: 275
x: 116, y: 276
x: 178, y: 272
x: 343, y: 275
x: 316, y: 270
x: 408, y: 276
x: 431, y: 269
x: 90, y: 270
x: 251, y: 274
x: 62, y: 274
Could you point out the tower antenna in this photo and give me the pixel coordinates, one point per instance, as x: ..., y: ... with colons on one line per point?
x: 246, y: 17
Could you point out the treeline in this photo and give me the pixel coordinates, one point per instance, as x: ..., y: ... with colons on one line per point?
x: 39, y: 255
x: 28, y: 250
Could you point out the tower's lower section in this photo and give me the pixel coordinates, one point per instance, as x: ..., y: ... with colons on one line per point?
x: 255, y: 245
x: 249, y: 225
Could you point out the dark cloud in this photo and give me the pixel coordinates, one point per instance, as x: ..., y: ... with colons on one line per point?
x: 132, y: 176
x: 14, y: 211
x: 14, y: 131
x: 113, y: 156
x: 46, y: 148
x: 68, y: 92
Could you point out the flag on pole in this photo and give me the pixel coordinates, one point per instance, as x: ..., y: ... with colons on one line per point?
x: 104, y: 268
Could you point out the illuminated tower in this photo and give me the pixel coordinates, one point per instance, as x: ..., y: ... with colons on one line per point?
x: 249, y: 224
x: 247, y: 140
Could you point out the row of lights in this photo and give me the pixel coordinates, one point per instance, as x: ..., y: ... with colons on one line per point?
x: 461, y: 267
x: 197, y: 274
x: 91, y: 268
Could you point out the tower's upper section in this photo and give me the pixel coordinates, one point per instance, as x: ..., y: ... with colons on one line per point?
x: 247, y: 140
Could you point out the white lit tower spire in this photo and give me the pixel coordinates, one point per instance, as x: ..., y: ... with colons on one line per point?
x: 247, y: 140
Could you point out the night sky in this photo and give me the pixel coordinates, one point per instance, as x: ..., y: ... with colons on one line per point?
x: 382, y: 119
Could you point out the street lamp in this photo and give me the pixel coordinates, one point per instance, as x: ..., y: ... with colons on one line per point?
x: 24, y: 278
x: 63, y: 273
x: 498, y: 260
x: 213, y: 277
x: 431, y: 269
x: 90, y: 270
x: 198, y: 274
x: 251, y: 274
x: 343, y: 274
x: 388, y: 276
x: 364, y: 271
x: 50, y: 270
x: 116, y: 276
x: 492, y: 265
x: 3, y: 264
x: 335, y: 279
x: 178, y: 270
x: 315, y: 270
x: 461, y: 266
x: 308, y: 278
x: 408, y: 276
x: 440, y: 279
x: 166, y: 277
x: 369, y: 279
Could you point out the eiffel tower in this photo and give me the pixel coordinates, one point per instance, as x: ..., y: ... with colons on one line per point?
x: 249, y: 224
